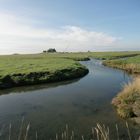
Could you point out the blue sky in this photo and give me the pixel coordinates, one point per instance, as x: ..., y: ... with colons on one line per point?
x: 98, y: 25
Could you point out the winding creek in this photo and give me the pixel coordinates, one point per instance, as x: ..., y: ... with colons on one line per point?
x: 80, y: 103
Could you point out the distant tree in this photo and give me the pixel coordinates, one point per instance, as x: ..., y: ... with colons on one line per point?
x: 15, y: 54
x: 44, y: 51
x: 51, y: 50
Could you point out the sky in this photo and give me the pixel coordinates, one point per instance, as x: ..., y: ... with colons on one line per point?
x: 31, y: 26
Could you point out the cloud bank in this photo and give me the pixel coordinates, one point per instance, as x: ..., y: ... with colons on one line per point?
x: 17, y: 37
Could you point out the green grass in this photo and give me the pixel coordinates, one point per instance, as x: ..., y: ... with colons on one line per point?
x: 12, y: 64
x: 113, y: 55
x: 130, y: 64
x: 16, y: 70
x: 26, y: 64
x: 97, y: 55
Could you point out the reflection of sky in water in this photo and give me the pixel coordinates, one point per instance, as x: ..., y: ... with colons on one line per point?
x: 81, y: 103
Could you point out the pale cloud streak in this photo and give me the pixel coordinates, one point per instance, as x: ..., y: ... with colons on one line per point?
x: 15, y: 36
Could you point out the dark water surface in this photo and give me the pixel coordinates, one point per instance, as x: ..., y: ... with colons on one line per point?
x: 79, y: 103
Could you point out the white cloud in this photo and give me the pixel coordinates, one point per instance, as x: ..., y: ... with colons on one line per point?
x: 18, y: 37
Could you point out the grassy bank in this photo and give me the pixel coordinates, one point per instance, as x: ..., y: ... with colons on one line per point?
x: 18, y: 70
x: 127, y: 102
x: 113, y: 55
x: 130, y: 64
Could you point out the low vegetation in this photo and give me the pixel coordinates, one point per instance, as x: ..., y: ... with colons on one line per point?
x: 113, y: 55
x: 18, y: 70
x: 99, y: 132
x: 97, y: 55
x: 127, y: 102
x: 131, y: 64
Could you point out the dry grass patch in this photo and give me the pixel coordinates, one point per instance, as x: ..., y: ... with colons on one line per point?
x: 130, y: 64
x: 128, y: 100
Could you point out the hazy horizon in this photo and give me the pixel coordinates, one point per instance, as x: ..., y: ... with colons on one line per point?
x: 69, y: 26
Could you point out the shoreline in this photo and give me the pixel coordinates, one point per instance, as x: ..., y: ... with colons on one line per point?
x: 35, y: 78
x: 34, y: 69
x: 130, y: 68
x: 126, y: 102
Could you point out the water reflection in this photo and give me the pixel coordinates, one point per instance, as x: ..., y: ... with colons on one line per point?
x: 36, y: 87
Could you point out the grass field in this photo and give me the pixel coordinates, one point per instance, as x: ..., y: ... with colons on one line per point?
x: 33, y: 63
x: 17, y: 70
x: 113, y: 55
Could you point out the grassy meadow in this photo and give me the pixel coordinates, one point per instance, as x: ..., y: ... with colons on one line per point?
x: 113, y: 55
x: 17, y: 70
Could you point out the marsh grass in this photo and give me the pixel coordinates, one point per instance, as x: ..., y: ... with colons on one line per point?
x: 130, y: 64
x: 99, y: 132
x: 127, y: 102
